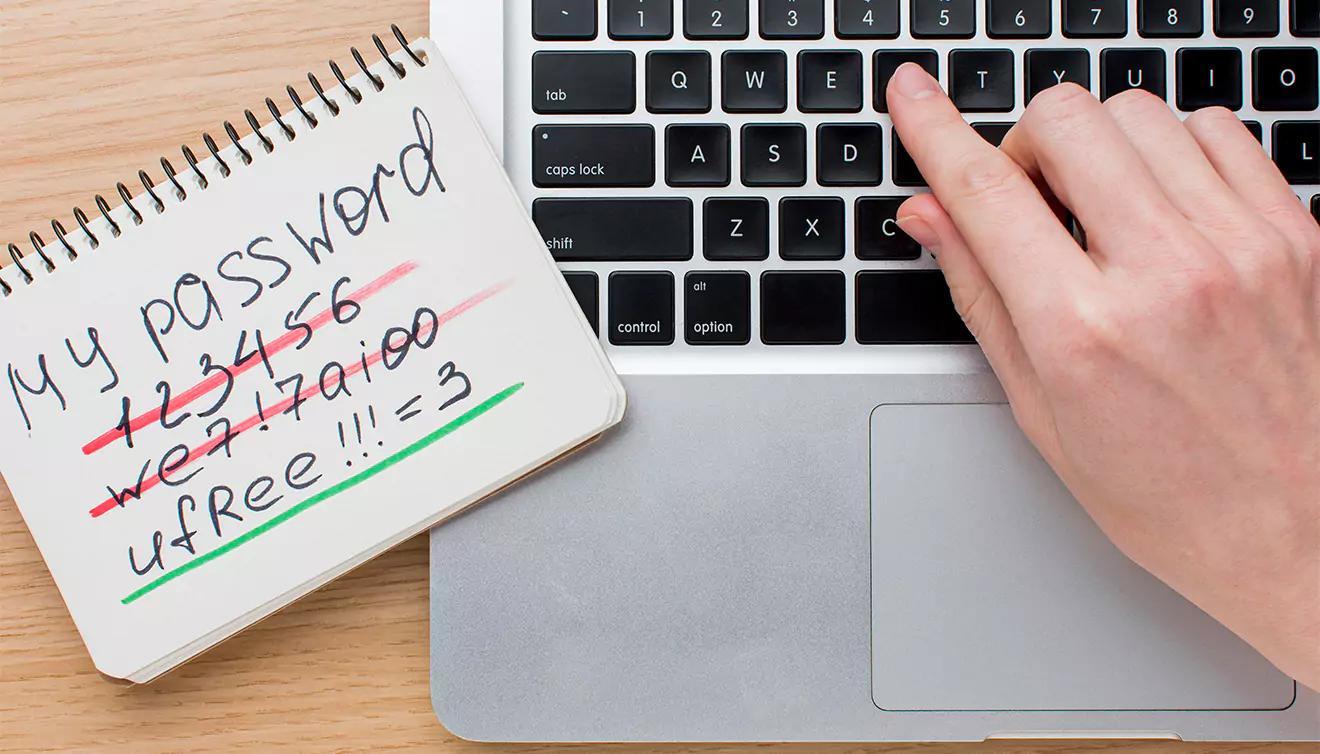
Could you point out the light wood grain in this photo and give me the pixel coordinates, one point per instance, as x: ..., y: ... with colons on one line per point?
x: 91, y: 91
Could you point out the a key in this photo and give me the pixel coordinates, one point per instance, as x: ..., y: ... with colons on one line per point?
x: 584, y: 82
x: 849, y: 154
x: 568, y: 20
x: 1305, y: 17
x: 755, y: 82
x: 593, y: 156
x: 584, y: 287
x: 1285, y: 78
x: 1256, y: 130
x: 715, y: 19
x: 1170, y: 18
x: 803, y: 308
x: 678, y: 82
x: 697, y: 155
x: 774, y: 154
x: 981, y: 80
x: 792, y: 19
x: 615, y: 230
x: 1122, y: 69
x: 830, y: 81
x: 946, y: 19
x: 1047, y: 68
x: 811, y: 228
x: 1024, y: 19
x: 717, y: 308
x: 908, y: 306
x: 866, y: 19
x: 886, y: 62
x: 641, y: 19
x: 906, y: 172
x: 878, y: 236
x: 1095, y: 18
x: 641, y: 308
x: 1247, y: 18
x: 1297, y: 151
x: 993, y: 133
x: 1209, y: 77
x: 737, y: 229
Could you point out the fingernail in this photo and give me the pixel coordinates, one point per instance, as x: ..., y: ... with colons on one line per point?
x: 913, y: 82
x: 921, y: 232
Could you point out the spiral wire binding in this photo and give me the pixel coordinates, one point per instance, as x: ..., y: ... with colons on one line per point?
x: 176, y: 186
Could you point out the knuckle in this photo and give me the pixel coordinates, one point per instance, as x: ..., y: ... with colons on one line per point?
x: 1134, y: 100
x: 1089, y: 334
x: 1057, y: 105
x: 988, y: 177
x: 1204, y: 291
x: 1212, y: 119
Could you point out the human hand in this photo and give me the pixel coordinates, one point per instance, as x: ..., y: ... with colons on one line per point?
x: 1170, y: 373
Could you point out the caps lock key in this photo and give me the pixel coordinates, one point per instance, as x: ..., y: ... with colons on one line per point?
x: 593, y: 156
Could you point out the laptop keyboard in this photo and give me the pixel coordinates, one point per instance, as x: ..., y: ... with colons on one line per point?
x: 723, y: 173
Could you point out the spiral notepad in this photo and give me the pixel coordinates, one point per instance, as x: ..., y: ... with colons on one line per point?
x: 269, y: 365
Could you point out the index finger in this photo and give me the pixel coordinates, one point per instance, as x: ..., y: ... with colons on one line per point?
x: 1025, y: 251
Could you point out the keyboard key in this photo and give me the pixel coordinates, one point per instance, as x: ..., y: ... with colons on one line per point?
x: 1025, y: 19
x: 715, y: 19
x: 803, y: 308
x: 567, y: 20
x: 947, y: 19
x: 755, y: 82
x: 907, y: 307
x: 906, y: 173
x: 717, y: 308
x: 1095, y: 18
x: 888, y: 61
x: 1315, y: 207
x: 1122, y: 69
x: 641, y: 19
x: 1285, y: 78
x: 737, y: 230
x: 830, y: 81
x: 849, y: 155
x: 1209, y: 77
x: 1247, y: 18
x: 1305, y: 17
x: 584, y: 82
x: 982, y: 80
x: 584, y: 287
x: 993, y: 133
x: 1170, y: 18
x: 792, y: 19
x: 1297, y: 151
x: 678, y: 82
x: 811, y: 228
x: 593, y: 156
x: 641, y: 308
x: 774, y: 154
x: 697, y: 155
x: 1047, y: 68
x: 1256, y: 129
x: 878, y: 234
x: 866, y: 19
x: 615, y: 230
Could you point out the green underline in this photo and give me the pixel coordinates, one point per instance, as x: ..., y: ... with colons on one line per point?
x: 329, y: 492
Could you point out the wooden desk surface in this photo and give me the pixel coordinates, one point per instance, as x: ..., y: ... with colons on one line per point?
x: 90, y: 91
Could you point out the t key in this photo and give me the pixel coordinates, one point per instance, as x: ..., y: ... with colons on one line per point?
x: 981, y: 80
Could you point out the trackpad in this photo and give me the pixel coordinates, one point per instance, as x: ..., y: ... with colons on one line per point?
x: 992, y: 589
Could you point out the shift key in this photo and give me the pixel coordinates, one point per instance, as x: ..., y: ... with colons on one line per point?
x: 593, y: 156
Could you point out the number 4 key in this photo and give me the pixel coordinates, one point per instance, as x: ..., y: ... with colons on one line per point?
x: 868, y: 19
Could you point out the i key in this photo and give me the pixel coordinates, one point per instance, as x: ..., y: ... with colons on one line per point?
x: 715, y: 19
x: 1170, y: 18
x: 1129, y: 68
x: 1094, y: 18
x: 641, y: 19
x: 1209, y: 77
x: 1246, y: 18
x: 948, y: 19
x: 1285, y: 78
x: 981, y: 80
x: 792, y: 19
x: 1047, y: 68
x: 1025, y: 19
x: 717, y: 308
x: 866, y: 19
x: 737, y: 229
x: 830, y: 81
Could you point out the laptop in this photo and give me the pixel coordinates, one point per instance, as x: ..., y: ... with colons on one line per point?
x: 819, y: 521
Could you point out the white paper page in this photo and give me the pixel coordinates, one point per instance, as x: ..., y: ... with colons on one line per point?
x: 489, y: 370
